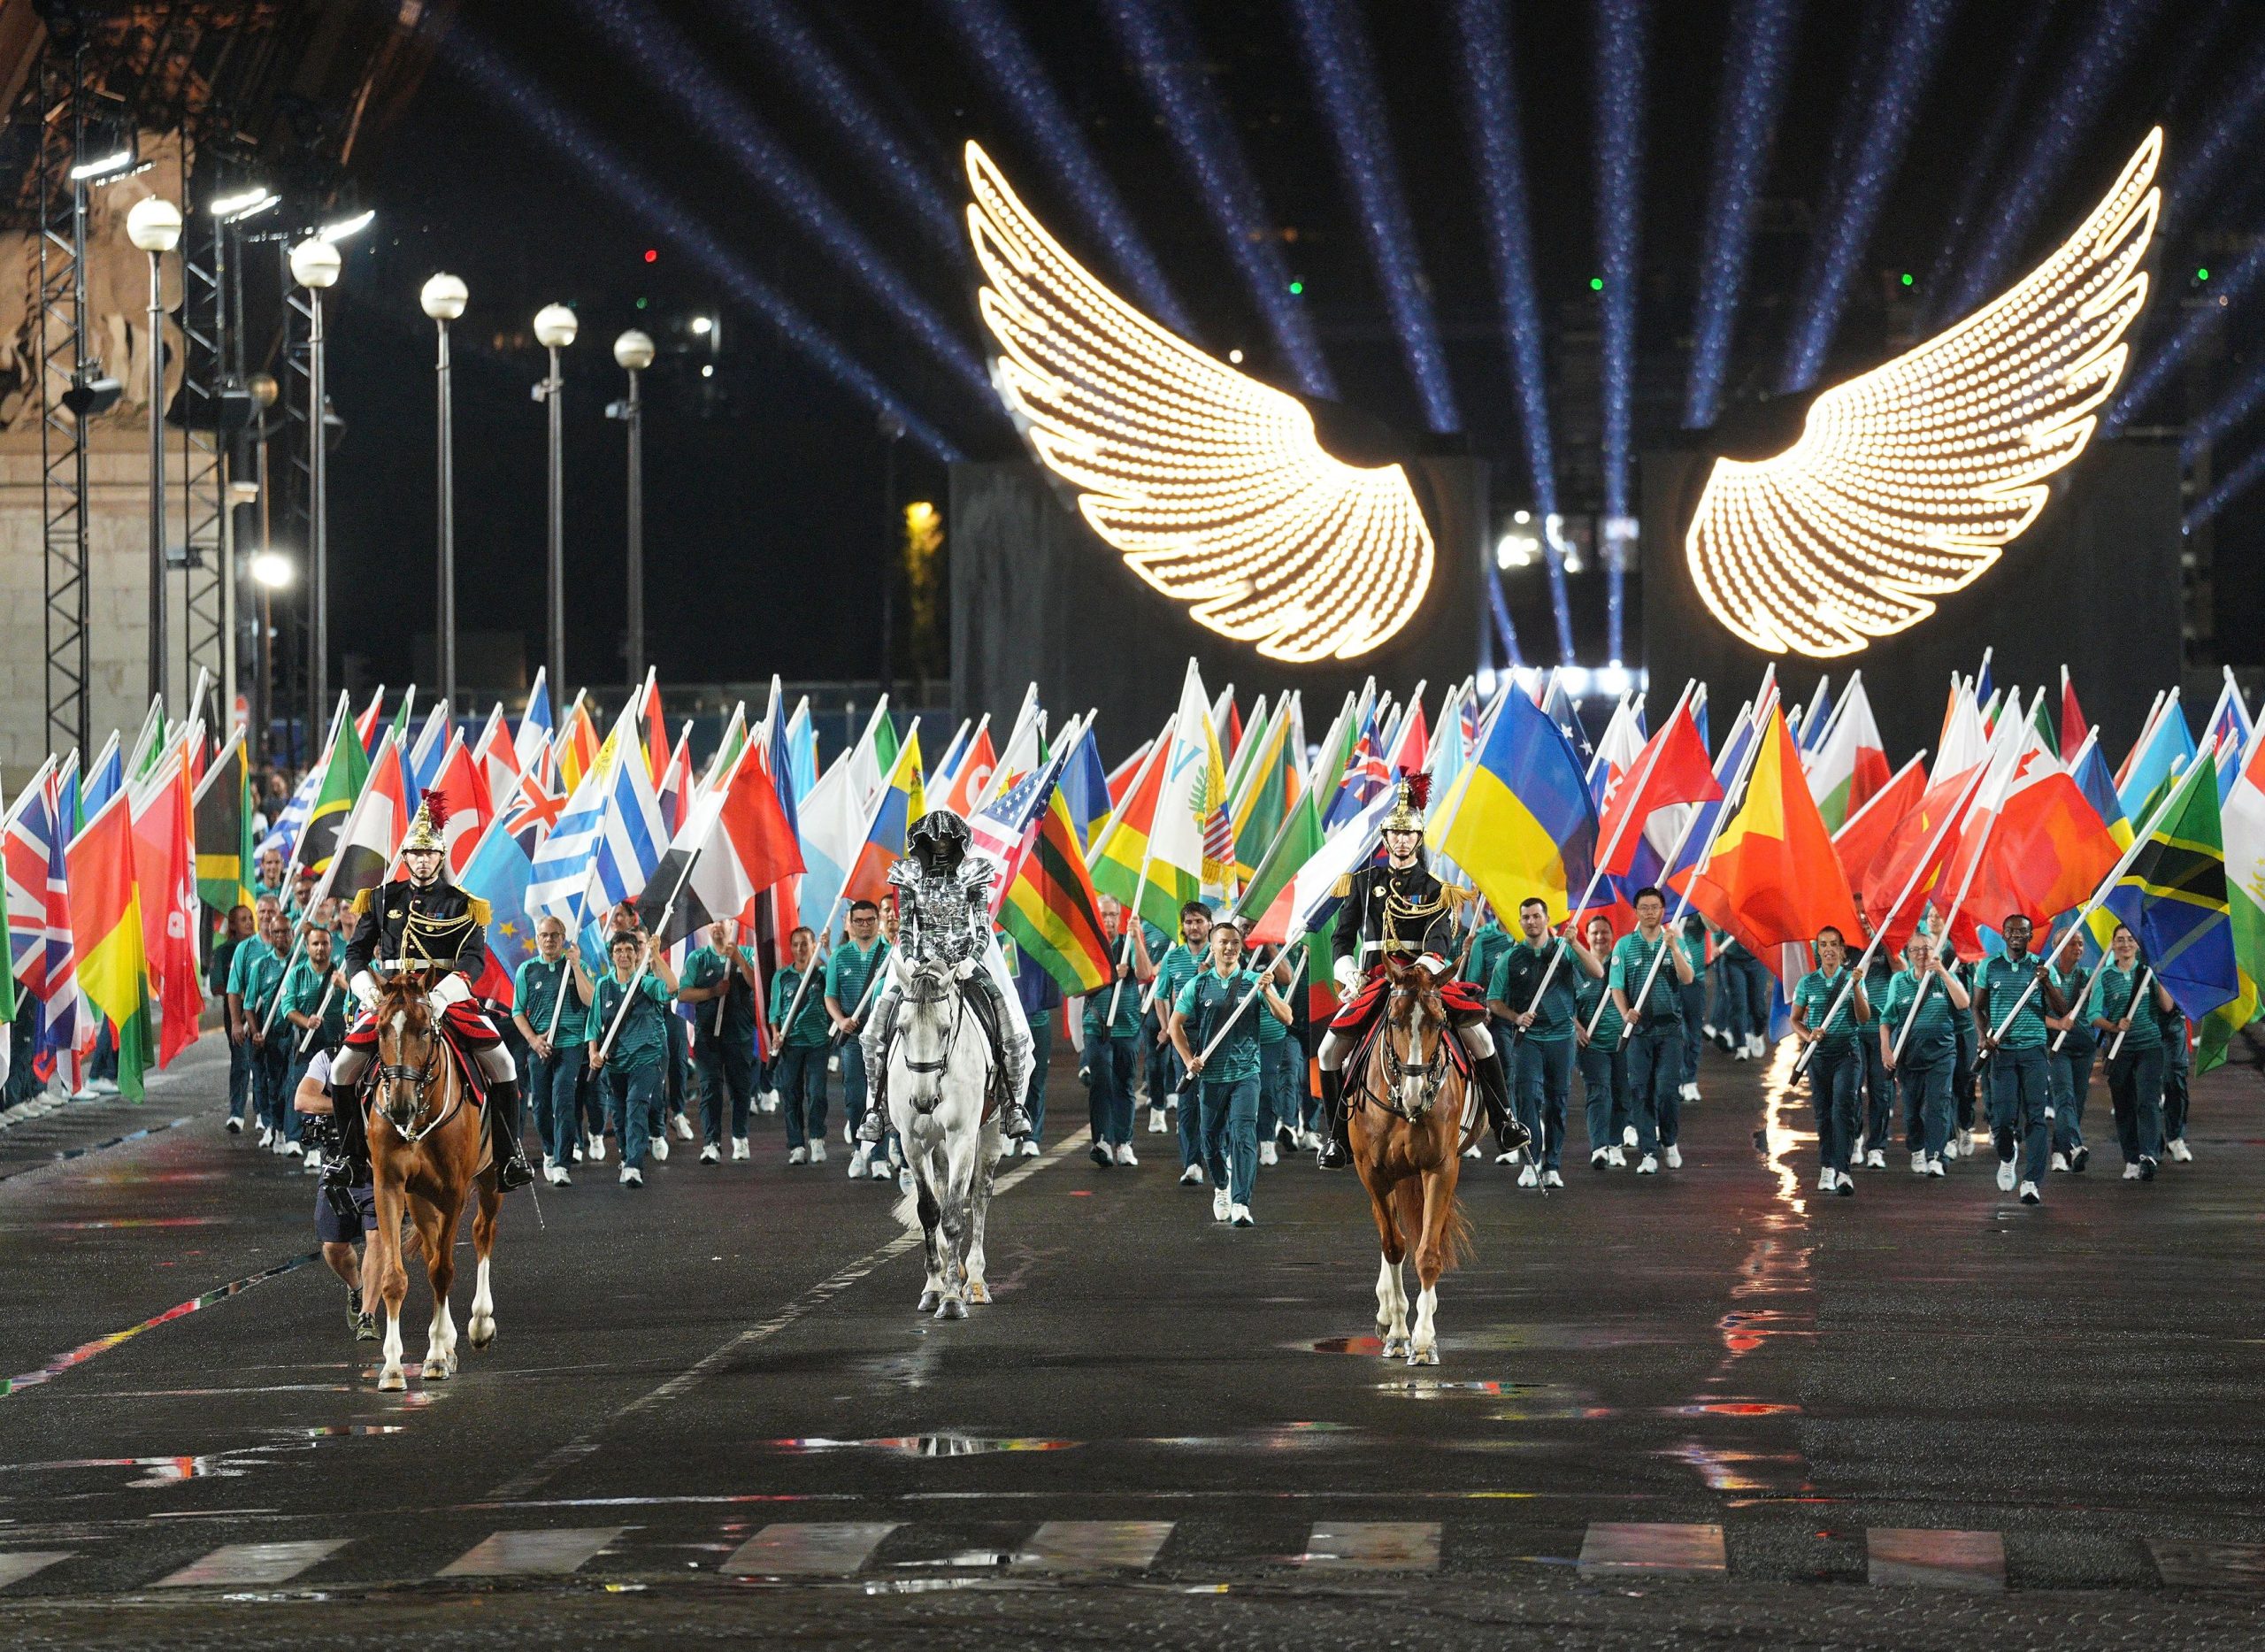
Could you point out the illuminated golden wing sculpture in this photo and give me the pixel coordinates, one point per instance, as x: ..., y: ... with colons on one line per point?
x: 1210, y: 484
x: 1906, y: 481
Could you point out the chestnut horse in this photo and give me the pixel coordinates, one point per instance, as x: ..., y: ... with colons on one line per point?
x: 1406, y: 1115
x: 425, y: 1138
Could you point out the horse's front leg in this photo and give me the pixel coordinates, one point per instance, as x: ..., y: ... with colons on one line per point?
x: 1431, y: 1262
x: 480, y: 1331
x: 955, y: 1196
x: 1391, y: 1301
x: 437, y: 1229
x: 986, y: 1171
x: 382, y: 1265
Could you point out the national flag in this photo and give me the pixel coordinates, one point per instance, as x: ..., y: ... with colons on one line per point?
x: 1773, y: 878
x: 1672, y: 768
x: 373, y: 830
x: 71, y: 815
x: 107, y: 937
x: 2047, y: 851
x: 948, y: 764
x: 900, y: 803
x: 1120, y: 780
x: 165, y: 875
x: 2174, y: 897
x: 1808, y: 735
x: 460, y: 783
x: 1367, y: 774
x: 1244, y: 752
x: 736, y: 843
x: 2168, y: 746
x: 532, y: 738
x: 24, y: 841
x: 1152, y: 857
x: 59, y: 1024
x: 1049, y: 909
x: 1411, y: 750
x: 283, y: 836
x: 2073, y: 727
x: 802, y: 752
x: 1521, y: 821
x: 563, y: 880
x: 345, y: 769
x: 105, y: 777
x: 1271, y: 785
x: 224, y: 851
x: 1851, y: 763
x: 834, y: 818
x: 2089, y: 769
x: 657, y: 727
x: 1226, y: 725
x: 497, y: 758
x: 678, y: 786
x: 1615, y: 754
x: 1085, y: 785
x: 501, y: 862
x: 2242, y: 819
x: 1859, y: 840
x: 151, y: 745
x: 576, y: 747
x: 366, y: 725
x: 1003, y: 831
x: 2147, y: 727
x: 970, y: 781
x: 1983, y: 690
x: 1267, y: 897
x: 1731, y: 764
x: 1558, y: 706
x: 1024, y: 751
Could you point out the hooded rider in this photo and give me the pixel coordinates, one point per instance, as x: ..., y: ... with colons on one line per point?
x: 1399, y: 909
x: 943, y: 902
x: 426, y: 922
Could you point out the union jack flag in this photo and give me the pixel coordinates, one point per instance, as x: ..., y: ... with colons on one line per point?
x: 1366, y: 775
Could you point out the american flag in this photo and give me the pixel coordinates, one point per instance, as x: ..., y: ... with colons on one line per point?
x: 1007, y: 825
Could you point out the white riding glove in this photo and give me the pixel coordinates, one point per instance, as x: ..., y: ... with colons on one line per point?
x: 451, y: 988
x: 1348, y: 975
x: 365, y: 990
x: 965, y: 968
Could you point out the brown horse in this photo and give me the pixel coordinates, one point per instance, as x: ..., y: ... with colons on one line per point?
x: 1406, y: 1100
x: 424, y: 1156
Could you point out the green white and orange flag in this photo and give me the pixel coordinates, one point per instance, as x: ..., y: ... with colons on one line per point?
x: 1151, y: 857
x: 107, y: 936
x: 1853, y: 763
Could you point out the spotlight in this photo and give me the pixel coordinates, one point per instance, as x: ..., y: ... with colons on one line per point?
x: 708, y: 370
x: 703, y: 326
x: 1516, y: 550
x: 1521, y: 517
x: 1235, y: 356
x: 117, y: 163
x: 272, y: 568
x: 90, y: 396
x: 346, y: 226
x: 233, y: 209
x: 1613, y: 681
x: 1574, y: 680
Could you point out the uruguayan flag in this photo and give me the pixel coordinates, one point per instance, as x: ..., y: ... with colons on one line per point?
x: 607, y: 844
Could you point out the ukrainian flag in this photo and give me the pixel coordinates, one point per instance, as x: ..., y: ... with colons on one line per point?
x: 1519, y: 820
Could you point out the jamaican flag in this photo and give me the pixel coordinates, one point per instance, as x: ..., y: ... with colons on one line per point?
x: 2173, y: 896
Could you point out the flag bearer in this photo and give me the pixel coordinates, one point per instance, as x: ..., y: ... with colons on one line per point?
x: 255, y: 979
x: 1542, y: 1037
x: 1180, y: 965
x: 799, y: 1068
x: 1692, y: 941
x: 2130, y: 1003
x: 2021, y: 1092
x: 1597, y: 1029
x: 1215, y: 1012
x: 1835, y: 1066
x: 1929, y: 1000
x: 2069, y: 1054
x: 852, y: 972
x: 2177, y: 1066
x: 1655, y: 1038
x: 1110, y: 1047
x: 632, y: 1069
x: 719, y: 980
x: 552, y: 995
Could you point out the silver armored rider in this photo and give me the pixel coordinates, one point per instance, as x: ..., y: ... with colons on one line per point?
x: 943, y: 912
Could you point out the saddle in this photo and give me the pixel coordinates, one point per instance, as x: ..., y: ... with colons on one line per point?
x: 1356, y: 1064
x: 979, y: 1004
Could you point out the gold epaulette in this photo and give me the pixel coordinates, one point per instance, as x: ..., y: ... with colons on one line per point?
x: 361, y: 902
x: 1343, y: 887
x: 480, y: 910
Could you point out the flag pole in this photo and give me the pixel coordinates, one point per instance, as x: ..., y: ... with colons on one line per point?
x: 803, y: 986
x: 605, y: 1045
x: 2139, y: 995
x: 1141, y: 888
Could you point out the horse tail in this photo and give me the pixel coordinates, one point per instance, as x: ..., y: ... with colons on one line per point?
x: 1462, y: 1240
x: 907, y: 1212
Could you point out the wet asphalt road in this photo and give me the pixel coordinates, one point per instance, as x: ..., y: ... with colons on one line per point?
x: 1165, y: 1432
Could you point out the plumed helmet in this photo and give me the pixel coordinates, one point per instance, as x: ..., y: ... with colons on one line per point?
x: 425, y: 826
x: 938, y: 841
x: 1411, y: 792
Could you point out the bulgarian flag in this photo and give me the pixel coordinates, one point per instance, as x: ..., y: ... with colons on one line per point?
x: 1852, y: 764
x: 106, y: 935
x: 2242, y: 819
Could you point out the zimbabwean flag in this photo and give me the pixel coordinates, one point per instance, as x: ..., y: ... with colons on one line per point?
x: 1050, y: 909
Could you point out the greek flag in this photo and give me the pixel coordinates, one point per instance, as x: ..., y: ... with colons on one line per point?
x: 607, y: 844
x: 284, y: 836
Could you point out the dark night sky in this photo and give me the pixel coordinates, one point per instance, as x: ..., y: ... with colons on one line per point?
x: 764, y: 504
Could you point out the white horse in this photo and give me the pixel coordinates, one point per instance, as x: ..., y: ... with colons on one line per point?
x: 939, y: 1075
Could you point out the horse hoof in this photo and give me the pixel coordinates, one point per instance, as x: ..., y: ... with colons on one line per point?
x: 1422, y: 1355
x: 392, y: 1382
x: 481, y: 1336
x: 978, y: 1292
x: 951, y: 1308
x: 439, y: 1368
x: 1395, y: 1347
x: 928, y: 1300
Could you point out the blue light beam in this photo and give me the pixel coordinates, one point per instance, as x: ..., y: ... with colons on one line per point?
x: 1760, y: 51
x: 2222, y: 415
x: 1982, y: 156
x: 643, y: 36
x: 1874, y: 152
x: 1155, y: 36
x: 1336, y: 51
x: 2113, y: 28
x: 2238, y: 480
x: 827, y: 91
x: 2227, y: 287
x: 1621, y: 26
x: 1498, y: 154
x: 1001, y: 51
x: 2227, y: 134
x: 665, y: 216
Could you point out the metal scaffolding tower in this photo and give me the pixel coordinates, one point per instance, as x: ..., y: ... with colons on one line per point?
x: 64, y: 99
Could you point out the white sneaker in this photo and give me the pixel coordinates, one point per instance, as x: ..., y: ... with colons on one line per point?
x: 861, y: 1164
x: 2029, y: 1194
x: 1221, y: 1206
x: 1674, y: 1157
x: 2006, y: 1175
x: 1844, y: 1185
x: 1551, y: 1179
x: 798, y: 1155
x: 1192, y: 1177
x: 596, y: 1152
x: 1934, y: 1167
x: 1741, y: 1053
x: 771, y: 1101
x: 1876, y: 1159
x: 1628, y: 1135
x: 313, y: 1160
x: 740, y: 1153
x: 557, y: 1176
x: 2060, y: 1161
x: 1759, y: 1045
x: 1614, y: 1157
x: 2131, y: 1172
x: 1599, y: 1159
x: 1689, y: 1092
x: 266, y: 1136
x: 632, y: 1177
x: 1966, y: 1144
x: 683, y: 1125
x: 1126, y: 1157
x: 1650, y: 1167
x: 1919, y: 1163
x: 1473, y: 1151
x: 883, y: 1171
x: 1529, y: 1177
x: 2179, y: 1150
x: 1267, y: 1155
x: 1950, y: 1147
x: 578, y: 1153
x: 710, y: 1154
x: 1155, y: 1121
x: 1825, y: 1180
x: 817, y: 1152
x: 1029, y: 1146
x: 659, y: 1145
x: 1238, y: 1216
x: 235, y: 1126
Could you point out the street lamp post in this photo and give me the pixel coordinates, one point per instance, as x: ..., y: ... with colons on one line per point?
x: 270, y: 570
x: 555, y: 327
x: 892, y: 429
x: 443, y: 298
x: 265, y: 390
x: 153, y: 226
x: 314, y: 266
x: 634, y: 352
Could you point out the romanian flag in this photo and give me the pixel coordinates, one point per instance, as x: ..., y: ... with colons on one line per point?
x: 1520, y: 820
x: 1773, y: 878
x: 900, y: 804
x: 1051, y: 911
x: 2173, y: 896
x: 106, y: 935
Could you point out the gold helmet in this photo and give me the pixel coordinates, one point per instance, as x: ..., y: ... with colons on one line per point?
x: 1412, y: 792
x: 425, y: 829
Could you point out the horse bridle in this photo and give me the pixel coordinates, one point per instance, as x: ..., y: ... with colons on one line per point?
x: 387, y: 1074
x: 1433, y: 1072
x: 944, y: 993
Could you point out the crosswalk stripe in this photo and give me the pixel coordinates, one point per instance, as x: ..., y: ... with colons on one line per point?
x: 811, y: 1548
x: 2191, y: 1563
x: 14, y: 1568
x: 1374, y: 1545
x: 1641, y: 1548
x: 252, y: 1562
x: 556, y: 1551
x: 1093, y: 1545
x: 1936, y: 1559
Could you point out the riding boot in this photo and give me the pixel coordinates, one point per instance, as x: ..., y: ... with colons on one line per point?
x: 1337, y: 1152
x: 347, y: 1164
x: 872, y: 1129
x: 511, y: 1167
x: 1495, y: 1088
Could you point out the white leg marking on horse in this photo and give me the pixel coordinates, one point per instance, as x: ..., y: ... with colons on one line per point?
x: 441, y: 1344
x: 1392, y: 1310
x: 1424, y: 1346
x: 392, y: 1377
x: 481, y: 1331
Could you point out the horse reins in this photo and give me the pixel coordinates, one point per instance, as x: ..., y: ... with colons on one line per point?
x: 418, y: 1080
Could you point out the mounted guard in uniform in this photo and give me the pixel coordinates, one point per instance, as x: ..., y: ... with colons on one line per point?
x: 1400, y: 908
x: 427, y: 924
x: 943, y: 913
